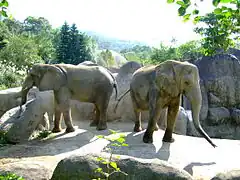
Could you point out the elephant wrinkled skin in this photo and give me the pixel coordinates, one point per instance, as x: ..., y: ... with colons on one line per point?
x: 157, y: 87
x: 93, y: 84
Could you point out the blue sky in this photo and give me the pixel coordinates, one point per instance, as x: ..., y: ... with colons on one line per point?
x: 150, y: 21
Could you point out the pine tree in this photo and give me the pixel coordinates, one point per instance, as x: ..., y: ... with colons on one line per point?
x: 85, y: 50
x: 74, y: 49
x: 63, y: 54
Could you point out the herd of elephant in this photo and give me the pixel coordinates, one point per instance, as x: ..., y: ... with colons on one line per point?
x: 152, y: 88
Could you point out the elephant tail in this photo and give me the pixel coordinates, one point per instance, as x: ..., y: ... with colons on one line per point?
x: 114, y: 84
x: 116, y: 90
x: 115, y: 108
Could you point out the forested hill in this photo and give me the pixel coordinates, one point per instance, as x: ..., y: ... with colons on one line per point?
x: 107, y: 42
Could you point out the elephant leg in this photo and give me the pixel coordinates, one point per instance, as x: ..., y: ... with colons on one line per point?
x: 152, y: 126
x: 68, y: 120
x: 137, y: 112
x: 63, y: 99
x: 102, y: 106
x: 154, y: 113
x: 171, y: 119
x: 96, y: 120
x: 57, y: 120
x: 137, y: 126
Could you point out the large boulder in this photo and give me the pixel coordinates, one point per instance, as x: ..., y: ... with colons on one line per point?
x: 228, y: 175
x: 20, y: 125
x: 9, y: 99
x: 220, y: 81
x: 83, y: 167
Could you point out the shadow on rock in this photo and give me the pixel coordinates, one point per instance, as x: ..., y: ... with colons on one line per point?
x: 137, y: 148
x: 189, y: 167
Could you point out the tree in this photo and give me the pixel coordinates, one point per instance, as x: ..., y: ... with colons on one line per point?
x: 163, y: 53
x: 228, y: 18
x: 20, y: 53
x: 74, y: 49
x: 214, y: 34
x: 85, y: 50
x: 63, y: 46
x: 107, y: 57
x: 4, y: 34
x: 190, y: 50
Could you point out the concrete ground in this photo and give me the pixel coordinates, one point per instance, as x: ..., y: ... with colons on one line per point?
x: 39, y: 158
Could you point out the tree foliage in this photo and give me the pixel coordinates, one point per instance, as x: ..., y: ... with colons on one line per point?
x: 222, y: 26
x: 3, y: 8
x: 73, y: 46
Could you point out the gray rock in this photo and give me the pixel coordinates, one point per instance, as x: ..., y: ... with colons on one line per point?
x: 218, y: 115
x: 82, y: 167
x: 19, y: 126
x: 235, y: 114
x: 229, y: 175
x: 9, y: 99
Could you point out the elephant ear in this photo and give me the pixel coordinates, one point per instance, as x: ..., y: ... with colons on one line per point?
x: 53, y: 78
x: 166, y: 79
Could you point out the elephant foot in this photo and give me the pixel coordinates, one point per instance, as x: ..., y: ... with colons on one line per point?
x: 69, y: 130
x: 148, y: 137
x: 168, y: 137
x: 101, y: 126
x: 56, y: 130
x: 137, y: 129
x: 94, y: 123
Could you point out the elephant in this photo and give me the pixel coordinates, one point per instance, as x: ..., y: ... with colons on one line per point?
x: 157, y: 87
x: 93, y: 84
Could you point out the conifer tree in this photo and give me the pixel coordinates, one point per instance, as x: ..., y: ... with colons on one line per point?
x: 63, y: 54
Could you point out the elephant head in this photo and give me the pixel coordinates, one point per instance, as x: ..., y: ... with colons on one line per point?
x: 183, y: 78
x: 44, y: 77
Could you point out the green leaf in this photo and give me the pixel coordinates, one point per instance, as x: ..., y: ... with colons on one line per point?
x: 218, y: 11
x: 112, y: 131
x: 98, y: 170
x: 186, y: 17
x: 215, y: 2
x: 186, y: 1
x: 195, y: 12
x: 196, y: 19
x: 181, y: 11
x: 4, y: 3
x: 124, y: 144
x: 4, y: 13
x: 115, y: 144
x: 120, y: 140
x: 114, y: 165
x: 181, y: 3
x: 170, y: 1
x: 226, y: 1
x: 100, y: 136
x: 122, y: 135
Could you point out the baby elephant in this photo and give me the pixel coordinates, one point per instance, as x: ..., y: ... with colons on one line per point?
x: 155, y: 88
x: 93, y: 84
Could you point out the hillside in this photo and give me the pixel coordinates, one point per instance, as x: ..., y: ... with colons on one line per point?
x: 107, y: 42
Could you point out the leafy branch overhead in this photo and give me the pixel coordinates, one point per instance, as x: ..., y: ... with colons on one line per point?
x: 3, y: 8
x: 222, y: 25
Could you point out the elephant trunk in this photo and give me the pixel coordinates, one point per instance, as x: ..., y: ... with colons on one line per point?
x: 27, y: 85
x: 195, y: 98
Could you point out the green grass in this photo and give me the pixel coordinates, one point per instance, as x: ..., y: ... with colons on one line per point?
x: 10, y: 176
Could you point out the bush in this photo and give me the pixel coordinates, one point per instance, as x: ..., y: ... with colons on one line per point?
x: 10, y: 176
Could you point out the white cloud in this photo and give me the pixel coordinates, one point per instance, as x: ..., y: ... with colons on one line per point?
x: 145, y: 20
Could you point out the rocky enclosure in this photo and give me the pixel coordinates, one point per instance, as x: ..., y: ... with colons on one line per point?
x: 220, y: 112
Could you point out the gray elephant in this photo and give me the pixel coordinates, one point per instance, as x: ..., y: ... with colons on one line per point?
x: 93, y: 84
x: 157, y: 87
